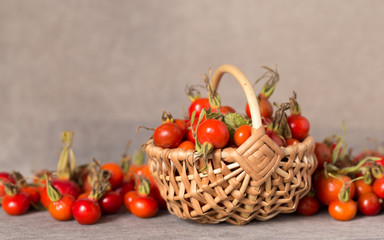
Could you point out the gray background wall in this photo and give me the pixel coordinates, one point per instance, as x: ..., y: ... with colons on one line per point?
x: 101, y: 68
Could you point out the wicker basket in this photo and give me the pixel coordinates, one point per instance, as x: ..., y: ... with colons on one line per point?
x: 257, y: 180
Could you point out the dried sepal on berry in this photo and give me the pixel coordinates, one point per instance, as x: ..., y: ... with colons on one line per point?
x: 279, y: 125
x: 53, y: 194
x: 270, y: 85
x: 192, y: 92
x: 67, y: 161
x: 213, y: 96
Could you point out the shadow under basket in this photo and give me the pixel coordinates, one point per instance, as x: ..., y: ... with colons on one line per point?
x: 257, y: 180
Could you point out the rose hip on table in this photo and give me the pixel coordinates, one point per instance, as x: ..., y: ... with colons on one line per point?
x: 116, y: 174
x: 140, y: 202
x: 86, y: 211
x: 110, y: 202
x: 63, y: 186
x: 308, y: 205
x: 14, y: 202
x: 135, y: 172
x: 31, y: 190
x: 369, y: 204
x: 328, y: 187
x: 342, y: 210
x: 65, y: 177
x: 60, y: 205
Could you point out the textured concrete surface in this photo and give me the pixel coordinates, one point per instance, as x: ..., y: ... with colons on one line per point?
x: 39, y: 225
x: 102, y: 68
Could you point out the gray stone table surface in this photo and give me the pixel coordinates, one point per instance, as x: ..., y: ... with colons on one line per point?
x: 39, y: 225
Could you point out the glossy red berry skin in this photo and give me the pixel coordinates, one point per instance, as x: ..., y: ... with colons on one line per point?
x: 168, y: 135
x: 213, y: 131
x: 111, y: 202
x: 17, y: 204
x: 86, y: 211
x: 299, y: 126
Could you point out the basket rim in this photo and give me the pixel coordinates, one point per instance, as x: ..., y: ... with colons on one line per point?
x: 308, y: 141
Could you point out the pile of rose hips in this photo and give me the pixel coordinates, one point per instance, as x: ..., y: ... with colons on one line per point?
x: 83, y: 192
x: 345, y: 184
x: 209, y: 125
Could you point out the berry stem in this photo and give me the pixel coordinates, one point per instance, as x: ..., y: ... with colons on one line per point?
x: 336, y: 154
x: 359, y: 166
x: 295, y: 106
x: 53, y: 194
x: 10, y: 189
x: 145, y: 185
x: 269, y: 87
x: 166, y: 117
x: 192, y: 92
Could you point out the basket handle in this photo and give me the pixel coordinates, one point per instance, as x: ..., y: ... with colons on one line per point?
x: 247, y: 88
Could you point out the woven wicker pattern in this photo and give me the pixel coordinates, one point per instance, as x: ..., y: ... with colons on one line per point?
x: 227, y: 192
x: 257, y: 180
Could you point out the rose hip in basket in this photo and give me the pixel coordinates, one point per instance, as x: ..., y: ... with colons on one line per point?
x: 256, y: 180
